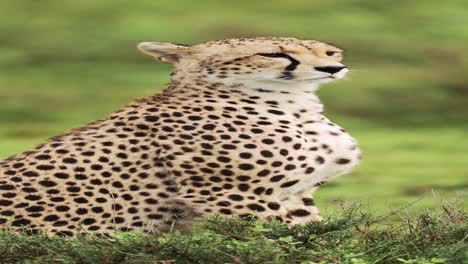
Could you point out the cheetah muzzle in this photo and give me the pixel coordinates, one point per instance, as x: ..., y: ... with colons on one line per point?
x: 238, y: 131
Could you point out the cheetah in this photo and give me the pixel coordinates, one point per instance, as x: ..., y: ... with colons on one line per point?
x: 238, y: 131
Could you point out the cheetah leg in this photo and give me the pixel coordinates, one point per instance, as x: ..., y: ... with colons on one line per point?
x: 301, y: 208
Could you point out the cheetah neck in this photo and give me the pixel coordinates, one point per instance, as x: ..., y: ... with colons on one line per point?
x: 298, y: 98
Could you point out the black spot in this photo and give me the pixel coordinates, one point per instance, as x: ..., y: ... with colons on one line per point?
x: 268, y: 141
x: 194, y: 118
x: 263, y: 173
x: 246, y: 166
x: 21, y: 205
x: 300, y: 213
x: 45, y: 167
x: 155, y: 216
x: 35, y: 209
x: 320, y: 160
x: 80, y: 200
x: 47, y: 183
x: 7, y: 213
x: 117, y: 184
x: 259, y: 190
x: 243, y: 187
x: 342, y: 161
x: 228, y: 146
x: 5, y: 202
x: 236, y: 197
x: 60, y: 223
x: 103, y: 159
x: 151, y: 201
x: 151, y: 118
x: 88, y: 153
x: 61, y: 175
x: 70, y: 160
x: 245, y: 155
x: 29, y: 190
x: 223, y: 203
x: 62, y: 208
x: 73, y: 189
x: 256, y: 207
x: 206, y: 146
x: 82, y: 211
x: 226, y: 172
x: 21, y: 222
x: 142, y: 126
x: 9, y: 195
x: 209, y: 127
x: 32, y: 197
x: 122, y: 155
x: 18, y: 165
x: 273, y: 206
x: 277, y: 178
x: 308, y: 201
x: 51, y: 218
x: 43, y: 157
x: 30, y: 174
x: 275, y: 112
x: 266, y: 153
x: 212, y: 178
x: 7, y: 187
x: 243, y: 178
x: 289, y: 184
x: 96, y: 167
x: 62, y: 151
x: 88, y: 221
x: 225, y: 211
x: 276, y: 163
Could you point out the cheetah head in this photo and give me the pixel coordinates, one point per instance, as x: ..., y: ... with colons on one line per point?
x: 254, y: 61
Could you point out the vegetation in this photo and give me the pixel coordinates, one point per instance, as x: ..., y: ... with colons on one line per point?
x: 65, y: 63
x: 351, y: 237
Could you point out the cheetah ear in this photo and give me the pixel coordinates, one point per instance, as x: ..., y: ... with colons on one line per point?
x: 165, y: 52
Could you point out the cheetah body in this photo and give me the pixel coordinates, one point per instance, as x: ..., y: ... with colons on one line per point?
x: 210, y: 143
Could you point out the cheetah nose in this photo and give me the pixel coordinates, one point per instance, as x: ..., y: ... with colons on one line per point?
x: 330, y: 69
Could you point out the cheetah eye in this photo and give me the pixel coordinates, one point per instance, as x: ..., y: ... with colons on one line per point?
x: 330, y: 53
x: 291, y: 67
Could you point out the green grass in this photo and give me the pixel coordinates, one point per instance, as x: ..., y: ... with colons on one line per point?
x: 352, y: 236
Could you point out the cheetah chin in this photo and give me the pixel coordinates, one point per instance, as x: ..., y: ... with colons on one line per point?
x: 238, y: 131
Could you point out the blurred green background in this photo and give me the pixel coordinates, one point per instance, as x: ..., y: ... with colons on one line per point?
x: 64, y: 63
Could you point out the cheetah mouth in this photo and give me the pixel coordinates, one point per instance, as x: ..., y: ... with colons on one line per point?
x: 316, y: 79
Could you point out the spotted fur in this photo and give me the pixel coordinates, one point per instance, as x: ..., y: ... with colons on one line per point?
x: 237, y: 132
